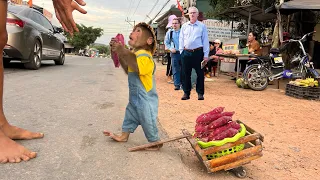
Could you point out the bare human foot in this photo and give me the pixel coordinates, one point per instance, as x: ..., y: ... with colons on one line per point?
x: 122, y: 138
x: 12, y: 152
x: 16, y: 133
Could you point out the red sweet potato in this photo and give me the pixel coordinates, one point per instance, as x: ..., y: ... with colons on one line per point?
x: 217, y: 110
x: 228, y: 113
x: 220, y: 122
x: 200, y: 128
x: 202, y: 119
x: 231, y: 124
x: 235, y: 125
x: 208, y: 118
x: 205, y: 139
x: 213, y: 117
x: 226, y: 134
x: 211, y: 136
x: 114, y: 55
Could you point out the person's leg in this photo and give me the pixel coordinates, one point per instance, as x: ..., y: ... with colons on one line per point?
x: 129, y: 125
x: 187, y: 68
x: 169, y: 68
x: 176, y: 69
x: 193, y: 77
x: 198, y: 58
x: 181, y: 71
x: 214, y: 67
x: 243, y: 64
x: 10, y: 151
x: 148, y: 121
x: 209, y: 68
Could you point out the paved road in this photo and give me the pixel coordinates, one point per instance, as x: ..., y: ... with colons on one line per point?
x: 72, y: 105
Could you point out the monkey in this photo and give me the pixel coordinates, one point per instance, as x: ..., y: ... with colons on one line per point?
x: 142, y: 108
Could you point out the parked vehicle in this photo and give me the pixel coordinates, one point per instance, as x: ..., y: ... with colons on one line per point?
x: 268, y: 69
x: 31, y: 38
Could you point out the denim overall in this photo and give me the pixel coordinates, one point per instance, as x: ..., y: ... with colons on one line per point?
x: 142, y: 108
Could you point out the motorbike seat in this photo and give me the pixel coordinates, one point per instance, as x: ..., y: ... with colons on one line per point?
x: 262, y: 58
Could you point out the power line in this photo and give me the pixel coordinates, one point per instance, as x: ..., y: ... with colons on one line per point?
x: 159, y: 11
x: 129, y: 9
x: 147, y: 16
x: 136, y: 8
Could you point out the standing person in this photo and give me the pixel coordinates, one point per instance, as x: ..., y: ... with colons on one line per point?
x: 142, y: 108
x: 215, y: 48
x: 168, y: 52
x: 172, y: 43
x: 10, y: 151
x: 194, y: 48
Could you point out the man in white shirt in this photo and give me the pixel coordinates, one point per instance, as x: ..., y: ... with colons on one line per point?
x: 194, y: 48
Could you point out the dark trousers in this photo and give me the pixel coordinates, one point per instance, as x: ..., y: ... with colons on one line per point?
x: 243, y: 64
x: 211, y: 64
x: 169, y: 68
x: 192, y: 60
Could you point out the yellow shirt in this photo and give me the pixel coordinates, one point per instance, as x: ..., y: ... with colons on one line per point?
x: 145, y: 66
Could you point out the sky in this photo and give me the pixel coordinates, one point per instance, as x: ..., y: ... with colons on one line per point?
x: 110, y: 15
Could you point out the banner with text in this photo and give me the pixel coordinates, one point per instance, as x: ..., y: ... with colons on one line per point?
x: 220, y: 29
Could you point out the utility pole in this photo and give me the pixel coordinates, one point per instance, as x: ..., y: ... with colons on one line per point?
x: 129, y: 21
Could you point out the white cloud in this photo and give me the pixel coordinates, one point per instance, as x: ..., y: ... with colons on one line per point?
x: 110, y: 15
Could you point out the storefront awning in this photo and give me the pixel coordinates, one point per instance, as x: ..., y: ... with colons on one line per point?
x: 250, y: 13
x: 296, y: 5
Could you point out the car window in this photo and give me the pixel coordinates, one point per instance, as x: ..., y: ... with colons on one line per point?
x: 24, y: 13
x: 14, y: 9
x: 46, y: 23
x: 35, y: 17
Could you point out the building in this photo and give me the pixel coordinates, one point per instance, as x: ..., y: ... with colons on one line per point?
x: 216, y: 29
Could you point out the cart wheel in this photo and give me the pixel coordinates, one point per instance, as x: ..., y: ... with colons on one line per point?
x: 240, y: 172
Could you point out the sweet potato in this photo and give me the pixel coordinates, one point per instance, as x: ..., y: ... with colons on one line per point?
x: 217, y: 110
x: 202, y: 119
x: 235, y: 125
x: 205, y: 139
x: 230, y: 124
x: 228, y: 113
x: 226, y: 134
x: 220, y: 122
x: 211, y: 136
x: 200, y: 128
x: 114, y: 55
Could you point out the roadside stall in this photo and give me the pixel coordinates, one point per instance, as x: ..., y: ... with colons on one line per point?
x: 235, y: 49
x: 302, y: 20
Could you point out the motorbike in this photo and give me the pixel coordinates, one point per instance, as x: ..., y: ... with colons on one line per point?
x: 264, y: 69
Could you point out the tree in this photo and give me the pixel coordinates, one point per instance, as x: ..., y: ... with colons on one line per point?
x: 85, y: 36
x: 103, y: 49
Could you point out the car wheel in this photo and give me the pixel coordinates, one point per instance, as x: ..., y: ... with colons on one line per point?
x: 35, y: 57
x: 61, y: 59
x: 6, y: 62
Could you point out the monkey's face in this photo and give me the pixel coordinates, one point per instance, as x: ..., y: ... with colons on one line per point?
x: 139, y: 38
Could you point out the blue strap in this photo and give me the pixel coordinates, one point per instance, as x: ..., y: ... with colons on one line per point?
x: 147, y: 55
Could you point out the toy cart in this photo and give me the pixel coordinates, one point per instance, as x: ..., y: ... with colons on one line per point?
x: 235, y: 158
